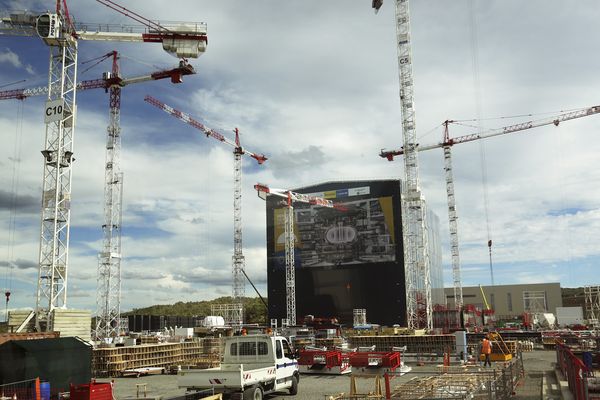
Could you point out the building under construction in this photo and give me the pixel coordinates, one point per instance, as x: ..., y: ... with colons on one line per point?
x: 346, y: 258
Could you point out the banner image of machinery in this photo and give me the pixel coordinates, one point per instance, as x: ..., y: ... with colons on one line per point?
x: 361, y: 233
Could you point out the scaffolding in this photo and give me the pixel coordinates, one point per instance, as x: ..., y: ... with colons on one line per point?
x: 232, y: 313
x: 534, y: 301
x: 592, y: 304
x: 360, y: 316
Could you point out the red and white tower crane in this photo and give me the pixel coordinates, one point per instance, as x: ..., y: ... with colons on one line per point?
x: 290, y: 198
x: 59, y: 32
x: 109, y: 264
x: 447, y: 144
x: 238, y: 285
x: 416, y: 249
x: 108, y: 298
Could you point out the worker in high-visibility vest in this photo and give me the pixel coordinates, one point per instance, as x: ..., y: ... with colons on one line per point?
x: 486, y: 350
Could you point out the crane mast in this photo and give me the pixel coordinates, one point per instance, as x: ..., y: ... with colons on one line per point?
x: 290, y: 197
x: 416, y: 248
x: 447, y: 144
x: 237, y: 260
x: 57, y: 177
x: 453, y: 225
x: 60, y: 34
x: 290, y: 265
x: 238, y: 275
x: 108, y: 296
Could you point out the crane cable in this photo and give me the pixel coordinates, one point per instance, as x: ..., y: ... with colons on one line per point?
x: 477, y: 89
x: 14, y: 193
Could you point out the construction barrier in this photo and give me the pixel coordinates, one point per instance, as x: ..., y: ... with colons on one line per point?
x: 91, y: 391
x: 323, y: 361
x: 574, y: 370
x: 22, y: 390
x: 375, y: 359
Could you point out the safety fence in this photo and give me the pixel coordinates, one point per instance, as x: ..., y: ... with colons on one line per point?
x: 574, y: 370
x: 21, y: 390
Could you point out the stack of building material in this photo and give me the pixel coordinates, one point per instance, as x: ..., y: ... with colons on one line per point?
x: 300, y: 342
x: 446, y: 386
x: 438, y: 344
x: 148, y: 339
x: 525, y: 345
x: 5, y: 337
x: 73, y: 323
x: 211, y: 353
x: 111, y: 362
x: 17, y: 317
x: 191, y: 352
x: 499, y: 382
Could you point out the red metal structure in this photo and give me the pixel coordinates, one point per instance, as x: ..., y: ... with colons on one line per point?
x: 388, y: 361
x: 108, y: 81
x: 323, y: 362
x: 574, y: 370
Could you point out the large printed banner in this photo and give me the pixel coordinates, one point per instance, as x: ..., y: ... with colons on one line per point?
x: 363, y: 233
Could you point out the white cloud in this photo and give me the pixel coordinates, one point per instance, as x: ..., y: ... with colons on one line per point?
x: 9, y: 57
x: 314, y: 86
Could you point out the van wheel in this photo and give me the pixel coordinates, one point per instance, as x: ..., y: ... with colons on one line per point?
x: 253, y: 393
x: 294, y: 388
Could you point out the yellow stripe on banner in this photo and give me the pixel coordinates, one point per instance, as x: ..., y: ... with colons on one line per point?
x: 388, y: 212
x: 279, y: 230
x: 329, y: 195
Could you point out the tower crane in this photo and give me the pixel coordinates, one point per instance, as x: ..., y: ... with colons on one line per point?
x: 290, y: 197
x: 447, y: 144
x: 108, y: 80
x: 416, y: 249
x: 238, y: 284
x: 59, y: 32
x: 109, y: 266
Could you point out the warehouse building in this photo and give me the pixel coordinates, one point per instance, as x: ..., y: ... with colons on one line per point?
x: 513, y: 300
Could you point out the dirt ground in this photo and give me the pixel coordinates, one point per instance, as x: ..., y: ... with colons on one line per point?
x: 537, y: 364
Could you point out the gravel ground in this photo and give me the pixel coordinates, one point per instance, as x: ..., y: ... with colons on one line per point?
x: 537, y: 364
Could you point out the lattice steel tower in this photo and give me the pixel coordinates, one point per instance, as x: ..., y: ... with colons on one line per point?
x: 239, y: 281
x: 56, y: 188
x: 108, y: 299
x: 416, y: 248
x: 59, y: 32
x: 234, y: 313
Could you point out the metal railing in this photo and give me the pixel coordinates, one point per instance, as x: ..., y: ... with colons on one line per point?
x: 21, y: 390
x: 574, y: 370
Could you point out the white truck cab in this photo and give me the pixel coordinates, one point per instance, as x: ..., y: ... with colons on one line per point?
x: 252, y: 366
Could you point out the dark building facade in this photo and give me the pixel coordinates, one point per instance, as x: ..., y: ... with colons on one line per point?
x: 59, y: 361
x: 155, y: 323
x: 345, y: 259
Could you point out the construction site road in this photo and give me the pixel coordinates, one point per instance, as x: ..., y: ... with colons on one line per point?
x: 537, y: 364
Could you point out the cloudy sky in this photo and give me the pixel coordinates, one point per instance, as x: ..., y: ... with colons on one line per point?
x: 314, y: 86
